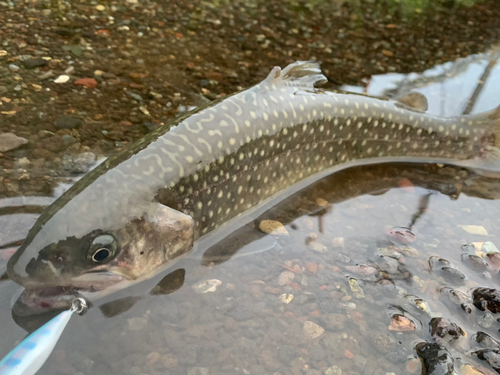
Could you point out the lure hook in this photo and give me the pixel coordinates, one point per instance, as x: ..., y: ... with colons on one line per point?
x: 79, y: 305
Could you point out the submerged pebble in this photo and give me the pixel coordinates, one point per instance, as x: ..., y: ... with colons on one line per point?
x: 312, y: 330
x: 273, y: 227
x: 436, y: 359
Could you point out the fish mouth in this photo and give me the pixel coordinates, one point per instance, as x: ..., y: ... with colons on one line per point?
x: 38, y: 298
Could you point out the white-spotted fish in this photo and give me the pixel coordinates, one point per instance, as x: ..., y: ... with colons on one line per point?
x: 150, y: 203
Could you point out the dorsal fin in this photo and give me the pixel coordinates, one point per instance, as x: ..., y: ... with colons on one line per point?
x: 413, y: 101
x: 303, y: 74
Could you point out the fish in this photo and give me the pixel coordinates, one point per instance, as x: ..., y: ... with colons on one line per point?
x: 143, y: 208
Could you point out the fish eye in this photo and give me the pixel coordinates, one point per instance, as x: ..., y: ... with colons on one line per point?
x: 103, y: 248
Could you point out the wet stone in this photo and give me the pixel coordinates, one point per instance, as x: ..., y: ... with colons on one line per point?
x: 272, y: 227
x: 10, y: 141
x: 80, y: 163
x: 491, y: 356
x: 68, y: 122
x: 343, y: 258
x: 135, y: 96
x: 436, y: 359
x: 486, y: 340
x: 285, y: 277
x: 445, y: 329
x: 312, y: 330
x: 486, y: 299
x: 68, y: 140
x: 34, y: 63
x: 486, y: 321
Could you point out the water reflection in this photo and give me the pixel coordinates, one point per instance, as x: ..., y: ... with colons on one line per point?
x: 466, y: 86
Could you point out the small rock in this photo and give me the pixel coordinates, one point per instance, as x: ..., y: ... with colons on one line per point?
x: 198, y: 371
x: 79, y: 164
x: 10, y: 141
x: 134, y: 96
x: 45, y: 75
x: 401, y: 323
x: 474, y: 229
x: 89, y: 83
x: 321, y: 202
x: 137, y: 324
x: 356, y: 289
x: 23, y: 162
x: 62, y: 79
x: 285, y: 277
x: 436, y: 359
x: 487, y: 320
x: 486, y: 340
x: 273, y: 227
x: 3, y: 53
x: 338, y: 242
x: 286, y: 298
x: 343, y: 258
x: 68, y: 140
x: 34, y: 63
x: 334, y: 370
x: 491, y: 356
x: 100, y: 7
x: 486, y: 299
x: 312, y: 330
x: 445, y: 330
x: 14, y: 67
x: 68, y: 122
x: 207, y: 286
x: 317, y: 246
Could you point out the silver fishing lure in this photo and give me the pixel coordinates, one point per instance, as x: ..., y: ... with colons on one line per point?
x: 33, y: 351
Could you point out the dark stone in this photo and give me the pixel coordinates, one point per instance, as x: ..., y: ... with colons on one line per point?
x: 436, y: 359
x: 486, y: 299
x: 34, y: 63
x: 445, y: 329
x: 68, y: 122
x: 486, y: 340
x: 240, y: 313
x: 492, y: 356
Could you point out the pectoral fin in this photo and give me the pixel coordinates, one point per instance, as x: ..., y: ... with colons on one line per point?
x: 175, y: 227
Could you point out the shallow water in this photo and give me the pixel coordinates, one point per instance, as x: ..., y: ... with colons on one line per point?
x: 297, y: 303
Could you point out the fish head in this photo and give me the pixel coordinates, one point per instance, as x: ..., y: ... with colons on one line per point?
x: 56, y: 262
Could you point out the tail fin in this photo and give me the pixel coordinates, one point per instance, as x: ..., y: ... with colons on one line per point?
x: 303, y: 74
